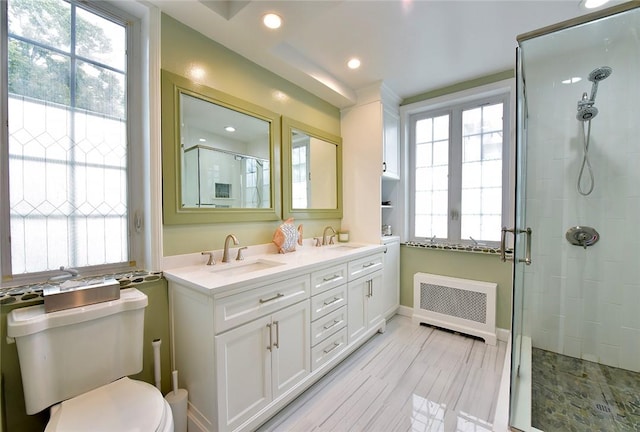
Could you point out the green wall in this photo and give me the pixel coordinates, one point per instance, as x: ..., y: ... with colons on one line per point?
x: 156, y: 326
x: 183, y: 50
x: 466, y: 265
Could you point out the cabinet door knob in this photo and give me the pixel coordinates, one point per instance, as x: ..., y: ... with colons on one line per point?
x: 270, y: 347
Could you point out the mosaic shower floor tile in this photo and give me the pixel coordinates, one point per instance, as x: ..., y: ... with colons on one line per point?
x: 570, y: 394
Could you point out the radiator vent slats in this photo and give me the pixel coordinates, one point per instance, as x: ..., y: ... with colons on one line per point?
x: 462, y: 305
x: 454, y: 302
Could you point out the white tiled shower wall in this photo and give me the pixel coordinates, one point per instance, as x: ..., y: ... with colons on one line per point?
x: 584, y: 303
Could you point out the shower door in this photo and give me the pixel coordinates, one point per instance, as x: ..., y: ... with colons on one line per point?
x: 576, y: 309
x: 519, y: 415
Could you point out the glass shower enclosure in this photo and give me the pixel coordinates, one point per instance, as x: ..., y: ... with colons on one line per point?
x: 576, y: 307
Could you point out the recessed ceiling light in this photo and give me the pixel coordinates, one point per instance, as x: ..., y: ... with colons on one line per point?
x: 230, y: 129
x: 592, y: 4
x: 354, y: 63
x: 272, y: 20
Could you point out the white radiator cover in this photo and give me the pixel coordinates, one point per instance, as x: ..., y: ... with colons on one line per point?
x: 463, y: 305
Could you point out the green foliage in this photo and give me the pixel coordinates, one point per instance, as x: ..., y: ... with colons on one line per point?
x: 41, y: 66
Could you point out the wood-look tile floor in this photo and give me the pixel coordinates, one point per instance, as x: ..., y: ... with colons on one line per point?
x: 411, y: 378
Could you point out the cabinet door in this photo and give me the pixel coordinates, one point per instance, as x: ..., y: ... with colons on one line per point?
x: 356, y: 308
x: 291, y: 361
x: 243, y: 370
x: 391, y: 126
x: 375, y: 300
x: 391, y: 276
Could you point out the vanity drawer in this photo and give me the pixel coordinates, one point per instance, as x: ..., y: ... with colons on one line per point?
x: 246, y: 306
x: 328, y: 301
x: 331, y: 347
x: 364, y: 266
x: 328, y: 324
x: 328, y: 278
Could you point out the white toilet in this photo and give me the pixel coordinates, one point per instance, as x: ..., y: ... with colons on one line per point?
x: 79, y: 359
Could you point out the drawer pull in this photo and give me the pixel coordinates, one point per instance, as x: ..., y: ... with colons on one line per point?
x: 332, y: 278
x: 335, y: 300
x: 277, y: 296
x: 335, y: 345
x: 368, y: 265
x: 333, y: 324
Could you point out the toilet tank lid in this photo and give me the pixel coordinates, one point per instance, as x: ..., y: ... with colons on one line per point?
x: 33, y: 319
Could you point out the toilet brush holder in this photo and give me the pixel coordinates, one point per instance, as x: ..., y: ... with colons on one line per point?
x: 177, y: 400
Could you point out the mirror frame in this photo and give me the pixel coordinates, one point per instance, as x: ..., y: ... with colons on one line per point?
x: 174, y: 214
x: 288, y: 125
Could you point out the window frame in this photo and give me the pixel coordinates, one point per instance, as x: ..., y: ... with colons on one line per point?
x: 136, y: 137
x: 454, y: 104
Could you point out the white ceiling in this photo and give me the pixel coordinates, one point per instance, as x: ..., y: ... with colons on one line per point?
x: 413, y: 46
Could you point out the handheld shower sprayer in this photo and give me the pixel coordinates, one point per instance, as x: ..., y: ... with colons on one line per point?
x: 586, y: 112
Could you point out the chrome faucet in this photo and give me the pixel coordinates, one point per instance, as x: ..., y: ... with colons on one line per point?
x: 324, y: 235
x: 225, y: 254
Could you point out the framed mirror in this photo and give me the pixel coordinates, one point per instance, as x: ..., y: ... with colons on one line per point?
x: 220, y: 156
x: 311, y: 172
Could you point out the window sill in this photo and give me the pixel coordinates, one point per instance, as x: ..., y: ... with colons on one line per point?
x: 32, y: 293
x: 485, y: 250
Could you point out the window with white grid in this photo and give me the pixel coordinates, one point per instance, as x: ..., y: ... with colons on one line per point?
x: 458, y: 176
x: 68, y: 147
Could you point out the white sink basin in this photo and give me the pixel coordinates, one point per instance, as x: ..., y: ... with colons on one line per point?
x: 346, y: 247
x: 243, y: 268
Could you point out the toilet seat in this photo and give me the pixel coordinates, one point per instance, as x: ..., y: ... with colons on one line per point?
x: 123, y: 405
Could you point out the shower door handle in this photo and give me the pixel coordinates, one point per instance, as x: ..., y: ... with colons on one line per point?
x: 503, y: 244
x: 527, y: 248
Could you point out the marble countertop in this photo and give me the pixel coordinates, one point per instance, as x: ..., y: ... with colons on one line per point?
x: 261, y: 264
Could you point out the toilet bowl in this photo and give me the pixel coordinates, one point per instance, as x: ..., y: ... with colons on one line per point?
x: 123, y: 405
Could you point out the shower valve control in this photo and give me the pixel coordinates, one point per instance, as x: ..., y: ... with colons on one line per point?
x: 582, y: 236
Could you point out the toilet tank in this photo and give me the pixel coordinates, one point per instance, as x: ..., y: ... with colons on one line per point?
x: 66, y: 353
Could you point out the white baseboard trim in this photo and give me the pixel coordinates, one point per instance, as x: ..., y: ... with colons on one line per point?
x: 405, y: 311
x: 503, y: 334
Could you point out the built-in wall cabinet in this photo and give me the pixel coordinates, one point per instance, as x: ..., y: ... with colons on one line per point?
x: 390, y: 190
x: 371, y: 138
x: 391, y: 276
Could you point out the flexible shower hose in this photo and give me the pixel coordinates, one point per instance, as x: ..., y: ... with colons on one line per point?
x: 585, y: 161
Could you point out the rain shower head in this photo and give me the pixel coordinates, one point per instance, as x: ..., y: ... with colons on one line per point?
x: 598, y: 74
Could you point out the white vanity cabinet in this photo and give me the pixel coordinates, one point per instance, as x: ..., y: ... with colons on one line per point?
x: 366, y: 296
x: 246, y: 346
x: 259, y: 361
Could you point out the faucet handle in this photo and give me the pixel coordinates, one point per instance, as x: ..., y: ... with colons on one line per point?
x: 240, y: 256
x: 332, y: 239
x: 317, y: 241
x: 211, y: 260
